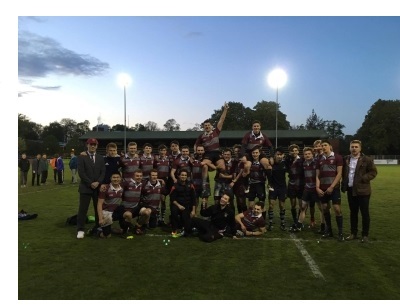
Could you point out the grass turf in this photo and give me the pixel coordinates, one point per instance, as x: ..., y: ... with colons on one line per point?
x: 54, y: 265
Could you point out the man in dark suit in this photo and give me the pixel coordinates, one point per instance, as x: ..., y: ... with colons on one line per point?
x: 91, y: 170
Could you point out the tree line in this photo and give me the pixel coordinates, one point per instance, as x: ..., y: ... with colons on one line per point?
x: 379, y: 133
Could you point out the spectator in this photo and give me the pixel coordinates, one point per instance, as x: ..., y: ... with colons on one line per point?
x: 60, y: 170
x: 73, y: 165
x: 24, y: 166
x: 35, y: 170
x: 44, y: 169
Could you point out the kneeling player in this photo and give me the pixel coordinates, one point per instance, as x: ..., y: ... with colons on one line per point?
x: 107, y: 204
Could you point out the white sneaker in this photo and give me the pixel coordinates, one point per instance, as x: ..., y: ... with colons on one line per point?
x: 80, y: 235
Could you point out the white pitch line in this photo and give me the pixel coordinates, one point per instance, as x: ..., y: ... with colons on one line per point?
x: 313, y: 266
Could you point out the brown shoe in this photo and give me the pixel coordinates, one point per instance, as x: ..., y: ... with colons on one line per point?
x: 365, y: 239
x: 351, y: 237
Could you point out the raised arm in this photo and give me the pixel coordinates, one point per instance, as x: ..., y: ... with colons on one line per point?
x: 223, y: 116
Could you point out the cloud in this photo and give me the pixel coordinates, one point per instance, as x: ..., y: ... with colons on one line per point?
x: 47, y: 87
x: 40, y: 56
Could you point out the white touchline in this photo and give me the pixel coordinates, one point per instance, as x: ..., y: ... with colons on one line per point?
x: 313, y: 266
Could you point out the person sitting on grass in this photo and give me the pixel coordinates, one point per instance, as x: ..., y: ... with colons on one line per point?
x: 221, y: 221
x: 107, y: 204
x: 251, y: 222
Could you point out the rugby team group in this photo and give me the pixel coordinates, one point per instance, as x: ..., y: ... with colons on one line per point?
x: 132, y: 188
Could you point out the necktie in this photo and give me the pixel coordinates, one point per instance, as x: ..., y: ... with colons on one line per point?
x: 92, y: 157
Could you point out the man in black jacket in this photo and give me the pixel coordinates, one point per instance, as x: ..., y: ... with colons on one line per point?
x: 24, y: 166
x: 91, y: 169
x: 221, y: 221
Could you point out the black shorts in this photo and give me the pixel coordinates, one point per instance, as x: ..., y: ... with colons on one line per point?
x: 278, y: 193
x: 294, y: 192
x: 334, y: 197
x: 310, y: 196
x: 214, y: 156
x: 257, y: 190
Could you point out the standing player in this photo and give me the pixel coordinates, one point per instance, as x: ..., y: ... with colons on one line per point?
x: 279, y: 192
x: 163, y: 166
x: 317, y: 155
x: 309, y: 193
x: 296, y: 182
x: 197, y: 163
x: 146, y: 160
x: 181, y: 163
x: 255, y: 138
x: 329, y: 173
x: 130, y: 162
x: 256, y: 178
x: 223, y: 179
x: 237, y: 183
x: 112, y: 161
x: 210, y: 140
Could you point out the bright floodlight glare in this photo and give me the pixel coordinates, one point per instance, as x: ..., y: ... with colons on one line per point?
x: 277, y: 78
x: 124, y: 79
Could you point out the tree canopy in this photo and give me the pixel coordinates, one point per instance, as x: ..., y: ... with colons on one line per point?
x: 379, y: 133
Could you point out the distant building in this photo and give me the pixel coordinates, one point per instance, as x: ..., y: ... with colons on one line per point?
x: 227, y: 138
x: 101, y: 128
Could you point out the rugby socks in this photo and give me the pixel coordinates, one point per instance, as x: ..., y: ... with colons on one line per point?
x: 294, y: 215
x: 328, y: 224
x: 106, y: 230
x: 163, y: 209
x: 264, y: 214
x: 270, y: 216
x: 282, y: 215
x: 339, y: 222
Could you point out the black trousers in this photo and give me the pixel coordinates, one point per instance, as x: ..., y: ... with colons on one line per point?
x: 84, y: 202
x: 356, y: 204
x: 60, y: 176
x: 36, y: 177
x: 180, y: 218
x: 44, y: 176
x: 207, y: 231
x: 55, y: 171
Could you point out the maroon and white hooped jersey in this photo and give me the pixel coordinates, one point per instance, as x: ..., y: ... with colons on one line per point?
x: 327, y: 166
x: 250, y: 140
x: 252, y: 222
x: 146, y: 164
x: 163, y: 166
x: 129, y: 166
x: 151, y: 195
x: 112, y: 197
x: 132, y: 193
x: 210, y: 141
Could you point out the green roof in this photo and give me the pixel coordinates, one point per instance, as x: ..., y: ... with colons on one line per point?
x: 149, y: 135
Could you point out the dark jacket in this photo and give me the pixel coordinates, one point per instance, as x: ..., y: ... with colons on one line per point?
x: 221, y: 219
x: 35, y: 165
x: 90, y: 172
x: 24, y: 164
x: 185, y: 195
x: 73, y: 163
x: 364, y: 173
